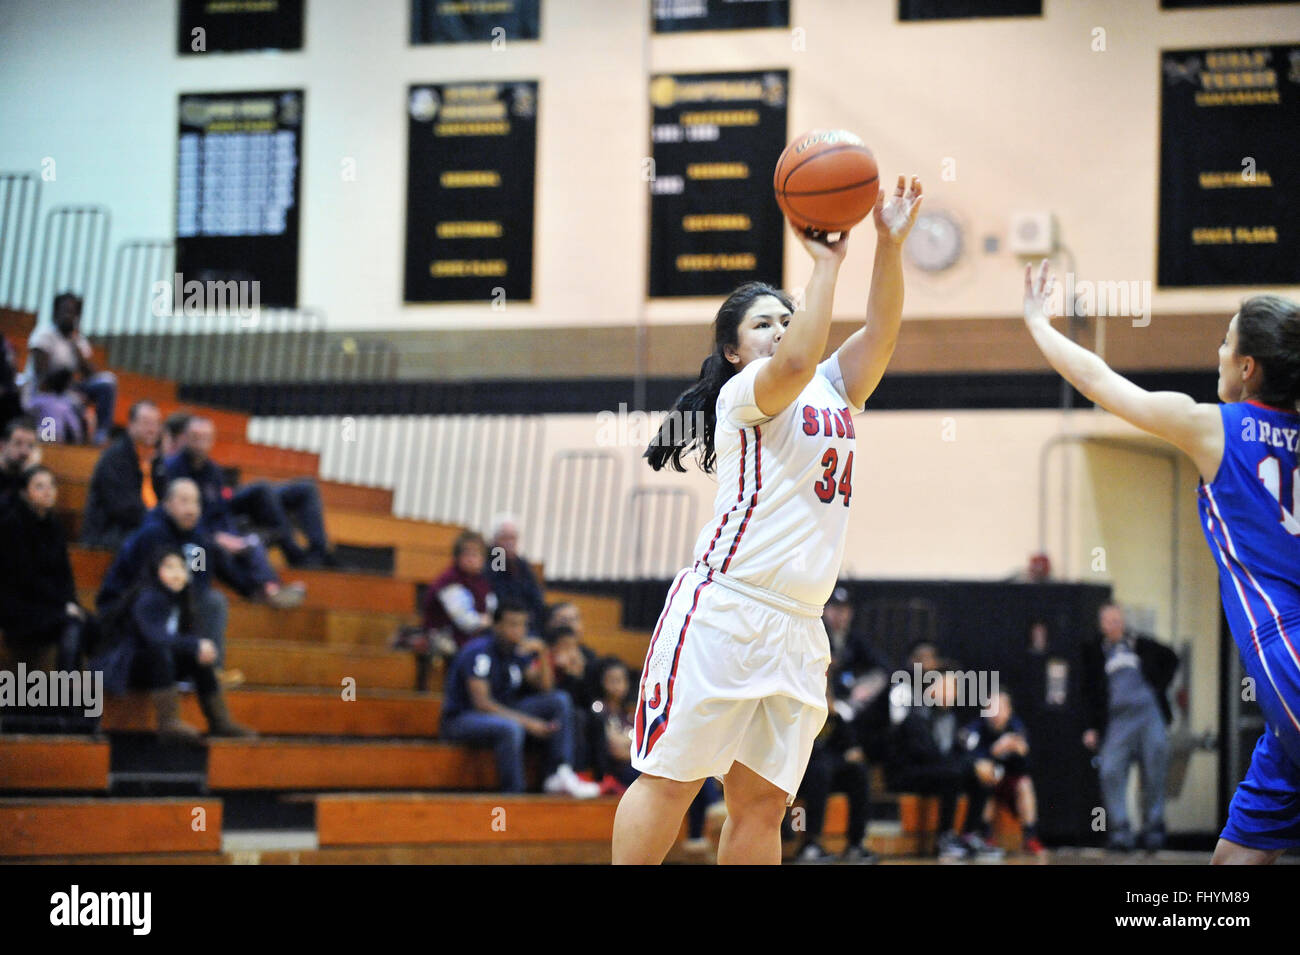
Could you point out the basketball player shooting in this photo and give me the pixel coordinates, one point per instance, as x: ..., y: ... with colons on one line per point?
x: 734, y: 683
x: 1249, y: 497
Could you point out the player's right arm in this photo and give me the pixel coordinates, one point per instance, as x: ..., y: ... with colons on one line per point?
x: 1195, y: 428
x: 795, y: 360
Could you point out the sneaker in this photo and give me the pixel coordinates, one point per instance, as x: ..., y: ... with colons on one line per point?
x: 951, y: 846
x: 1035, y: 847
x: 1153, y: 839
x: 229, y: 679
x: 565, y: 781
x: 858, y: 855
x: 813, y: 854
x: 980, y: 848
x: 288, y: 596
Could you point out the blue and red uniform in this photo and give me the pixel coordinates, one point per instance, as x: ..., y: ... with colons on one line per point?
x: 1250, y: 513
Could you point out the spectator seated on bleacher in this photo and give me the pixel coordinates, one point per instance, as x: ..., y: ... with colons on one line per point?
x: 172, y: 525
x: 151, y: 640
x: 859, y: 674
x: 56, y: 412
x: 511, y: 574
x: 282, y: 508
x: 119, y: 495
x: 838, y: 763
x: 61, y: 347
x: 11, y: 397
x: 244, y: 553
x: 1001, y: 737
x: 610, y: 728
x: 18, y: 452
x: 575, y: 677
x: 459, y: 604
x: 565, y: 614
x: 171, y: 440
x: 926, y: 757
x: 500, y: 690
x: 38, y: 596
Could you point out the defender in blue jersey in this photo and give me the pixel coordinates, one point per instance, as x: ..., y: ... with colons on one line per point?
x: 1247, y: 451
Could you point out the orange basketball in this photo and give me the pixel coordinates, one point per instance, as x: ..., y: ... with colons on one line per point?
x: 826, y: 180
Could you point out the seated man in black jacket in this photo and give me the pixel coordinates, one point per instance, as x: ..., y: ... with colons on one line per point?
x: 119, y: 494
x: 174, y: 523
x: 38, y: 597
x: 18, y: 452
x: 859, y: 674
x: 1125, y: 678
x: 926, y: 756
x: 512, y: 576
x: 244, y: 554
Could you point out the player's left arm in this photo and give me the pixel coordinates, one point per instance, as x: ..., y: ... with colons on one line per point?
x: 866, y: 353
x: 1193, y: 427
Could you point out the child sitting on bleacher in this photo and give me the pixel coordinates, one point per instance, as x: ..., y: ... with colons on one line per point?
x: 611, y: 728
x: 151, y: 643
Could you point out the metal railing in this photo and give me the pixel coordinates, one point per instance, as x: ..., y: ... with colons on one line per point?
x: 659, y: 532
x: 20, y: 207
x: 74, y: 250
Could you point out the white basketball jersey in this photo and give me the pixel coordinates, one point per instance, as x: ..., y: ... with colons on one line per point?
x: 784, y: 486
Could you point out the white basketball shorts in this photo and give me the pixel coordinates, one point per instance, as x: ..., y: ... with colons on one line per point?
x: 731, y: 676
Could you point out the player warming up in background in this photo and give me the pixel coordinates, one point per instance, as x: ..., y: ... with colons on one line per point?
x: 1249, y: 498
x: 734, y: 683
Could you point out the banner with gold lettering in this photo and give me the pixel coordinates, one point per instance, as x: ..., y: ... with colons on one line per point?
x: 219, y: 26
x: 474, y: 21
x: 469, y: 192
x: 237, y: 163
x: 1230, y: 167
x: 714, y: 222
x: 679, y: 16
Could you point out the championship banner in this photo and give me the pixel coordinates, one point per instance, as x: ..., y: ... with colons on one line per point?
x: 469, y: 192
x: 714, y: 222
x: 237, y: 191
x: 474, y: 21
x: 228, y: 26
x: 680, y: 16
x: 1229, y: 167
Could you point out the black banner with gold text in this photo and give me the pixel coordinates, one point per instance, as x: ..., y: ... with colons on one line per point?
x: 681, y: 16
x: 474, y: 21
x: 1230, y: 167
x: 469, y: 192
x: 714, y: 222
x: 230, y: 26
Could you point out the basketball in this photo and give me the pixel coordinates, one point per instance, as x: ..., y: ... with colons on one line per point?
x: 826, y: 180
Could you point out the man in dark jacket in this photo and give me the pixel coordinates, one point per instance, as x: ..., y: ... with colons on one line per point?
x: 511, y: 575
x: 244, y: 553
x: 859, y: 674
x: 174, y: 523
x: 119, y: 495
x: 38, y: 596
x: 18, y: 452
x: 1125, y: 678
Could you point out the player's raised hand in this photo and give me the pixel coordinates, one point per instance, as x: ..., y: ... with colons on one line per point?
x: 896, y: 214
x: 820, y: 248
x: 1038, y: 293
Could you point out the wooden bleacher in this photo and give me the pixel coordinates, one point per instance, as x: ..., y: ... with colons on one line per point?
x: 351, y: 757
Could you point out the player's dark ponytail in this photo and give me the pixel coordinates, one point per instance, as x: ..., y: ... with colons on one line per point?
x: 690, y: 423
x: 1268, y: 330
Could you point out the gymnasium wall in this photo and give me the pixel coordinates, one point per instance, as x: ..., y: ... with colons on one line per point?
x: 1030, y: 116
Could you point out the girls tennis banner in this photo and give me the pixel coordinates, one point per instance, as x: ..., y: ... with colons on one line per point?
x: 1229, y: 167
x: 469, y: 192
x: 714, y: 221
